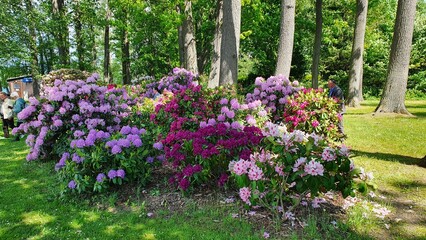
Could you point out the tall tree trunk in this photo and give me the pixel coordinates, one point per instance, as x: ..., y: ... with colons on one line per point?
x: 78, y: 35
x: 317, y: 43
x: 125, y: 55
x: 94, y: 50
x: 355, y: 73
x: 285, y: 49
x: 188, y: 40
x: 33, y: 46
x: 393, y: 98
x: 61, y: 31
x: 230, y: 42
x: 107, y: 57
x: 217, y: 42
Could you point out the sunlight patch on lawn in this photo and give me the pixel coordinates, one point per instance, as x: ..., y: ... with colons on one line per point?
x: 113, y: 229
x: 149, y: 236
x: 90, y: 216
x: 37, y: 218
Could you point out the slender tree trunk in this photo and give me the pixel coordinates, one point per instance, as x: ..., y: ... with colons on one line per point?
x: 107, y: 58
x: 181, y: 40
x: 285, y: 49
x: 393, y: 98
x: 125, y: 61
x: 230, y: 42
x: 61, y: 31
x: 94, y: 50
x: 217, y: 42
x: 78, y: 35
x: 33, y: 46
x: 317, y: 43
x: 355, y: 73
x: 188, y: 40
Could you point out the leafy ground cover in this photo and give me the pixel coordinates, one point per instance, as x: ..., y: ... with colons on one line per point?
x: 390, y: 146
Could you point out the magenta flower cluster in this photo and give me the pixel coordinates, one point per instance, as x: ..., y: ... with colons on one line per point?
x: 210, y: 143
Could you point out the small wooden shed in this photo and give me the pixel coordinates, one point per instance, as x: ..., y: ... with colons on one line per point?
x: 23, y: 85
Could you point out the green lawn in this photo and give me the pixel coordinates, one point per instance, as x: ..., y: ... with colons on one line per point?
x: 391, y: 147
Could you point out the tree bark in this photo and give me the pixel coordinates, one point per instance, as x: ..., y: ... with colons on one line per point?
x: 107, y: 58
x: 217, y: 42
x: 33, y: 46
x: 230, y: 42
x: 285, y: 49
x: 125, y: 61
x: 393, y: 98
x: 78, y: 35
x: 188, y: 37
x: 317, y: 43
x: 61, y: 31
x: 355, y: 73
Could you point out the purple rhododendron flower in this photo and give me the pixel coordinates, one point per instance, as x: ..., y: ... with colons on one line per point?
x: 125, y: 130
x: 116, y: 149
x: 72, y: 184
x: 149, y: 159
x: 158, y: 145
x: 112, y: 174
x: 100, y: 177
x: 137, y: 142
x: 121, y: 173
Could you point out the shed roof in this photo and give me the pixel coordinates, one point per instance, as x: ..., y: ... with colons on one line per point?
x: 18, y: 78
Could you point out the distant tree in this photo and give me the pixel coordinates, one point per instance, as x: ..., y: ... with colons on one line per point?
x: 355, y: 72
x: 285, y: 48
x: 393, y: 98
x: 32, y: 40
x: 317, y: 43
x: 230, y: 42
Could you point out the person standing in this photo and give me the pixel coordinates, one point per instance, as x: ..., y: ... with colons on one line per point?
x: 7, y: 112
x: 18, y: 106
x: 337, y: 93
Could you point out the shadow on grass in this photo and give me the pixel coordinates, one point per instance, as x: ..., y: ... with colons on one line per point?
x: 421, y: 162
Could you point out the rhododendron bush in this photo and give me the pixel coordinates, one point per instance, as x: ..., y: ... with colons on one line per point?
x: 102, y: 137
x: 312, y: 111
x: 290, y: 166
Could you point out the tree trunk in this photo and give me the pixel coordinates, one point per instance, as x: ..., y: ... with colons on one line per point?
x: 188, y: 37
x: 61, y: 31
x: 285, y: 49
x: 125, y: 49
x: 230, y: 42
x: 33, y: 46
x: 355, y: 73
x: 217, y: 42
x: 78, y: 35
x: 317, y: 43
x: 94, y: 51
x: 107, y: 58
x: 393, y: 98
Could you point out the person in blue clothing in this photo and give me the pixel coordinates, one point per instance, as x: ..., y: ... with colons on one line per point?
x: 18, y: 106
x: 337, y: 93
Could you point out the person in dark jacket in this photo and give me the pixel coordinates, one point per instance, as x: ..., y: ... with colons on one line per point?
x: 7, y: 113
x: 337, y: 93
x: 18, y: 106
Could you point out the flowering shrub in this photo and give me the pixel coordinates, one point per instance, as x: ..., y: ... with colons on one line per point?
x: 312, y: 111
x: 273, y: 94
x: 69, y: 107
x: 292, y: 165
x: 203, y: 155
x: 98, y: 159
x: 186, y: 108
x: 178, y: 79
x: 63, y: 74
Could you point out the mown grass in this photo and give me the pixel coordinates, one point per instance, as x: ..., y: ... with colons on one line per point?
x: 390, y: 146
x: 393, y: 148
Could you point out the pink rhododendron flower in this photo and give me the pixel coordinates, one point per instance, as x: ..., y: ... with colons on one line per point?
x: 314, y: 168
x: 245, y: 195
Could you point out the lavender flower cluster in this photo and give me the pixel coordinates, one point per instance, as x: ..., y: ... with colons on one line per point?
x: 273, y: 93
x: 178, y: 79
